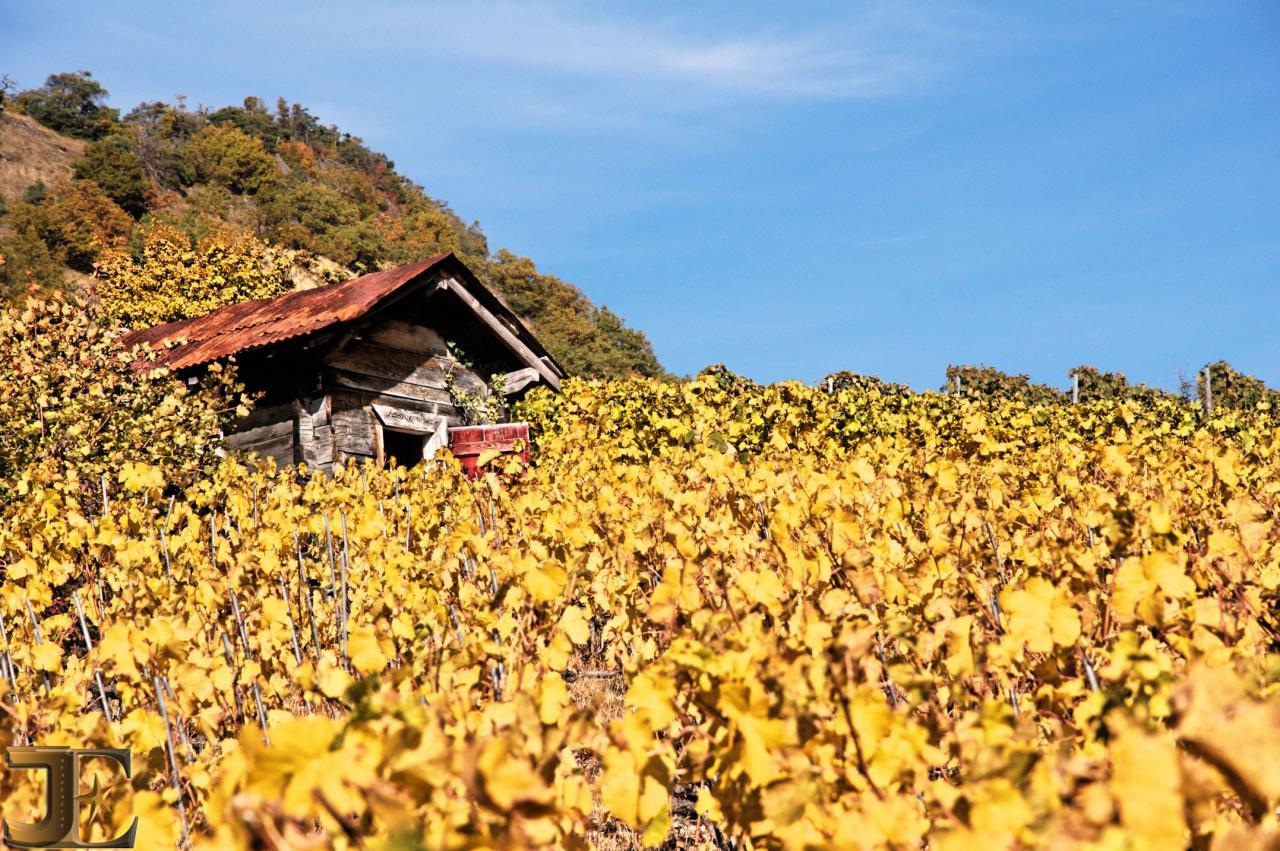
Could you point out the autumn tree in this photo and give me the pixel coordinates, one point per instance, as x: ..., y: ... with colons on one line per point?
x: 112, y: 163
x: 311, y: 215
x: 81, y: 222
x: 227, y: 156
x: 71, y: 103
x: 35, y: 193
x: 71, y: 225
x: 27, y: 264
x: 587, y: 340
x: 175, y: 279
x: 252, y: 119
x: 157, y: 132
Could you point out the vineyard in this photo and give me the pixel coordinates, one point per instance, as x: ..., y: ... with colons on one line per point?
x: 707, y: 615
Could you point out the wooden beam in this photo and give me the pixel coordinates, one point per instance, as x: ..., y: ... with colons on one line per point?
x: 499, y: 327
x: 374, y: 385
x: 403, y: 419
x: 279, y: 448
x: 405, y: 367
x: 408, y: 337
x: 250, y: 436
x: 514, y: 382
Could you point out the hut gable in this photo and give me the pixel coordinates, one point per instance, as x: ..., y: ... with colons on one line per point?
x: 371, y: 369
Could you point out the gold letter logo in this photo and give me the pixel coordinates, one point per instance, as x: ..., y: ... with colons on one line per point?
x: 61, y: 825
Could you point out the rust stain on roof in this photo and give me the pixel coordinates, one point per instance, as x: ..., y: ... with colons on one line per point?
x: 252, y: 324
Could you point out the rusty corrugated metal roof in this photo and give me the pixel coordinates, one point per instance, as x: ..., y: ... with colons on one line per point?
x: 253, y: 324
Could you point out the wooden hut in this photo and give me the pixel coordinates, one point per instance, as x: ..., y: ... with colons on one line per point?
x: 371, y: 369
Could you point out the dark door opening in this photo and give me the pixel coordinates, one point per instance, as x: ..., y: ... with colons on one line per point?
x: 402, y: 447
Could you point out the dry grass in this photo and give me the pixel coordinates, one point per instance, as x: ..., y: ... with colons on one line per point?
x: 31, y: 152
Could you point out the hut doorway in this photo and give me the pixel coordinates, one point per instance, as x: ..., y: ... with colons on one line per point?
x: 402, y: 447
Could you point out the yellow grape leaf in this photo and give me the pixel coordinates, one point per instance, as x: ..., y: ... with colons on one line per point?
x: 137, y: 476
x: 552, y: 698
x: 1169, y: 572
x: 863, y: 470
x: 784, y: 801
x: 144, y: 730
x: 632, y: 792
x: 508, y: 777
x: 948, y: 476
x: 364, y: 652
x: 575, y: 625
x: 556, y: 656
x: 959, y: 659
x: 545, y: 583
x: 1000, y: 811
x: 1040, y: 615
x: 221, y: 679
x: 157, y: 819
x: 22, y: 568
x: 47, y: 657
x: 652, y: 695
x: 1145, y: 783
x: 1161, y: 524
x: 1222, y: 724
x: 1225, y: 467
x: 116, y: 647
x: 760, y: 737
x: 274, y: 611
x: 332, y: 680
x: 620, y: 786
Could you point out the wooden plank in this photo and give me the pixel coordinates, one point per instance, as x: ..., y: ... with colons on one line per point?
x: 318, y: 453
x: 453, y: 418
x: 354, y: 432
x: 396, y: 364
x: 409, y: 337
x: 346, y: 443
x: 354, y: 457
x: 388, y: 387
x: 437, y: 441
x: 244, y: 439
x: 265, y: 416
x: 498, y: 327
x: 344, y: 399
x: 280, y: 448
x: 353, y: 417
x: 404, y: 419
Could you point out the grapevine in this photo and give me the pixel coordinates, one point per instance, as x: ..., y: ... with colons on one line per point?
x: 847, y: 619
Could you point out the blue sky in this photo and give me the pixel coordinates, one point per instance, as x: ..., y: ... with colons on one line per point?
x: 796, y: 188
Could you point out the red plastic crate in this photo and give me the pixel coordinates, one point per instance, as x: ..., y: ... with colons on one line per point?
x: 468, y: 442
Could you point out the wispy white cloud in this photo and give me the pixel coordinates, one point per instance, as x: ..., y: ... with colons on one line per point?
x: 875, y: 51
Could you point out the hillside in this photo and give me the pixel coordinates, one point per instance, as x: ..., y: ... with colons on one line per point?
x: 79, y: 181
x: 30, y: 153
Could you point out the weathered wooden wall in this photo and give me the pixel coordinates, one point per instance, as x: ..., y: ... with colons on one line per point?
x: 396, y: 365
x: 270, y: 431
x: 399, y: 366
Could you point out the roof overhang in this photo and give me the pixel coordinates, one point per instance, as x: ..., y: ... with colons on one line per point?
x: 332, y: 310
